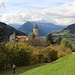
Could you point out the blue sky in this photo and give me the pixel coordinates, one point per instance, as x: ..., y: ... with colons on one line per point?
x: 55, y: 11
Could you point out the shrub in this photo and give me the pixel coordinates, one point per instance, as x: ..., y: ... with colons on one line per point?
x: 51, y: 53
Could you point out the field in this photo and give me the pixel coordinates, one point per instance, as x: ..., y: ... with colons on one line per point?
x: 63, y: 66
x: 20, y: 70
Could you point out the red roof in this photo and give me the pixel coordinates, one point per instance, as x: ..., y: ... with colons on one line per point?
x: 19, y: 37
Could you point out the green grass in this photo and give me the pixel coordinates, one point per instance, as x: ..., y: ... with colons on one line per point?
x: 63, y: 66
x: 20, y: 70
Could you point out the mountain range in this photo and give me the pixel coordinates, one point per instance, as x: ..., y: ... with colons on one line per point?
x: 6, y: 31
x: 44, y: 28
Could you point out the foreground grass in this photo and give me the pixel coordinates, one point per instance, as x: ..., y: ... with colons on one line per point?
x: 20, y: 70
x: 63, y: 66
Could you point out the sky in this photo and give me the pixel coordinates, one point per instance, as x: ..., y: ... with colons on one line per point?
x: 60, y: 12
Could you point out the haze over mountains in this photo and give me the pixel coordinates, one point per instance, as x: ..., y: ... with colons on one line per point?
x: 44, y: 28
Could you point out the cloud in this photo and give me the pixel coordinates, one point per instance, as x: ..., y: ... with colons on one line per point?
x: 2, y: 5
x: 62, y: 15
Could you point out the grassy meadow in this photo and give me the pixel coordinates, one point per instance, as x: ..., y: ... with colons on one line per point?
x: 62, y: 66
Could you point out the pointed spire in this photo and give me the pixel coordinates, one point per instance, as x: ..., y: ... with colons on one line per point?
x: 36, y: 26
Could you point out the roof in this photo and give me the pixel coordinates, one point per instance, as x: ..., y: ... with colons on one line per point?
x: 36, y: 26
x: 19, y: 37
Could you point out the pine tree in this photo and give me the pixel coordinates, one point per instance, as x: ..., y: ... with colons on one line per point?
x: 49, y: 39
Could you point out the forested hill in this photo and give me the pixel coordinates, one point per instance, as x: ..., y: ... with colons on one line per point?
x: 70, y: 28
x: 6, y: 31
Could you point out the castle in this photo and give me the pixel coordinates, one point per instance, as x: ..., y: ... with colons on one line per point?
x: 15, y: 38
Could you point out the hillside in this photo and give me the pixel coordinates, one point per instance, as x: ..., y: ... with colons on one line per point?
x: 63, y: 66
x: 70, y: 28
x: 44, y: 28
x: 68, y: 32
x: 6, y: 31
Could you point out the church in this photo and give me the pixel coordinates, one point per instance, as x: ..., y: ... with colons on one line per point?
x: 14, y: 38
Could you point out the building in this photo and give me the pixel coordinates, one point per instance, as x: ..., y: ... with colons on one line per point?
x: 21, y: 38
x: 14, y: 38
x: 34, y: 34
x: 35, y: 31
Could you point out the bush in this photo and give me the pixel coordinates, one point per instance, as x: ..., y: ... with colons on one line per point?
x: 20, y: 53
x: 60, y: 54
x: 51, y: 53
x: 3, y: 56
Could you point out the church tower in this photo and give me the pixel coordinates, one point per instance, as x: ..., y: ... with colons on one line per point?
x: 35, y: 31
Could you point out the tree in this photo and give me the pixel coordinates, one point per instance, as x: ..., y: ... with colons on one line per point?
x: 49, y: 39
x: 3, y: 56
x: 66, y: 43
x: 51, y: 52
x: 19, y: 53
x: 59, y: 39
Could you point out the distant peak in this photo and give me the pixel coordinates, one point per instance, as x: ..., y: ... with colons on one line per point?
x: 28, y: 22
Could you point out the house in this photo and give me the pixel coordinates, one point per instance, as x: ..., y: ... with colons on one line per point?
x: 14, y: 38
x: 21, y: 38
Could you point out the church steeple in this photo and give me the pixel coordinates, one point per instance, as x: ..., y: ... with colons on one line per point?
x: 35, y: 30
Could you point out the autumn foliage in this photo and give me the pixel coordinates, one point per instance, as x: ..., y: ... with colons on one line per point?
x: 23, y: 54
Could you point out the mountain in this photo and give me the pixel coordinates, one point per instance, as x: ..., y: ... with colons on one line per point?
x: 70, y: 28
x: 26, y: 27
x: 44, y: 28
x: 48, y: 27
x: 6, y: 31
x: 16, y: 26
